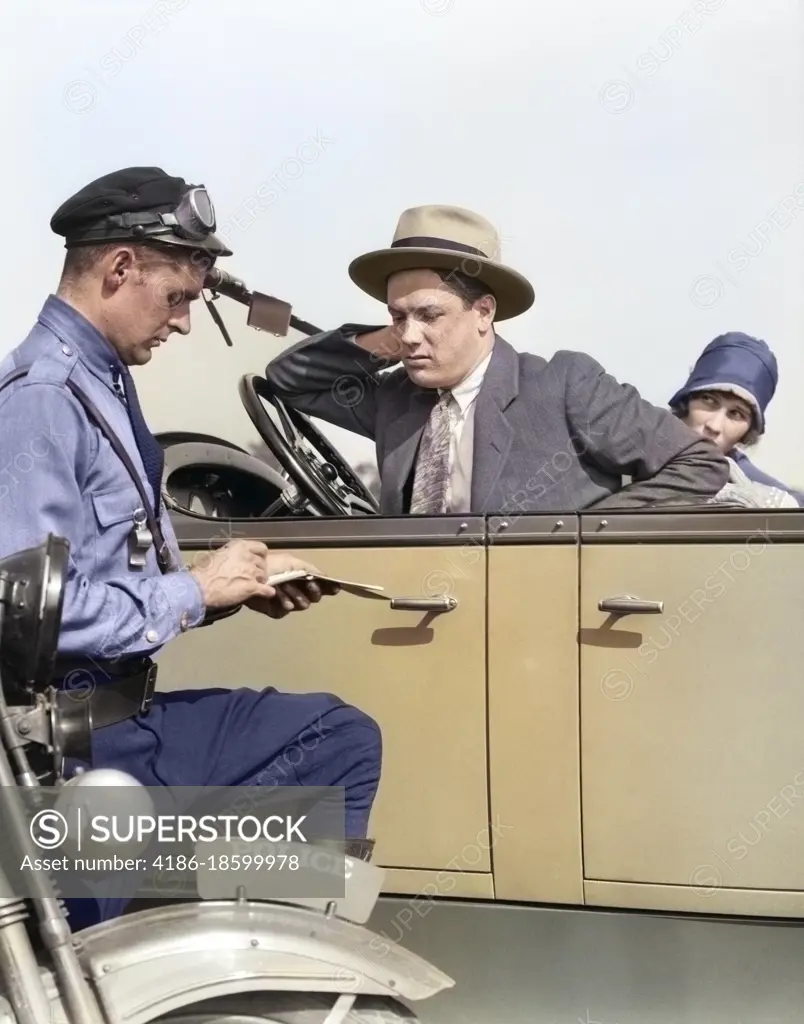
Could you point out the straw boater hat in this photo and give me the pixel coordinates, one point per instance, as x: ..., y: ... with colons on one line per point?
x: 445, y: 238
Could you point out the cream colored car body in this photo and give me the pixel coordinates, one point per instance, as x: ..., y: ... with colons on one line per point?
x: 537, y: 747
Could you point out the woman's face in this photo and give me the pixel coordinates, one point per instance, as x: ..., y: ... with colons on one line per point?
x: 720, y: 416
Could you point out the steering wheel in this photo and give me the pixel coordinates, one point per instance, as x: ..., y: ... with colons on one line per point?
x: 325, y: 479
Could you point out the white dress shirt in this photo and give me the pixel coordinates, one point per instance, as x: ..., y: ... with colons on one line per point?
x: 461, y: 457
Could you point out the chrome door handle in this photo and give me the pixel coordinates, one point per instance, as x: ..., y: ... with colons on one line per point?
x: 628, y: 605
x: 423, y: 604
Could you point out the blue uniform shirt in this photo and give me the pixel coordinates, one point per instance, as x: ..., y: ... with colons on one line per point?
x: 59, y: 474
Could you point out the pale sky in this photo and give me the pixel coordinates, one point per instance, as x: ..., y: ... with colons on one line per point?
x: 640, y: 160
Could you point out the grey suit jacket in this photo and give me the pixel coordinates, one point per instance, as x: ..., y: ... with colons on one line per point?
x: 552, y: 435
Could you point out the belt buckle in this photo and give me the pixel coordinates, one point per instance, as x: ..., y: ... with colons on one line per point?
x: 150, y: 687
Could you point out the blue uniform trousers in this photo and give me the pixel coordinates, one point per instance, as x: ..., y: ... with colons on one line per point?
x: 242, y: 737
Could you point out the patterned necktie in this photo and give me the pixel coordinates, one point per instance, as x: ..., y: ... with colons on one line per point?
x: 153, y: 457
x: 432, y: 466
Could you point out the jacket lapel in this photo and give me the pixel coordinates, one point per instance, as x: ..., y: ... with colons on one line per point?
x: 401, y: 442
x: 493, y: 433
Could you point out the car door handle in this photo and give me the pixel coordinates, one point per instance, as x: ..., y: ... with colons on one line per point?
x: 423, y: 604
x: 628, y: 605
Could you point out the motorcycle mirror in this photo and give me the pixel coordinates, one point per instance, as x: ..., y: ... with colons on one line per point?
x: 32, y: 584
x: 269, y: 314
x: 265, y: 312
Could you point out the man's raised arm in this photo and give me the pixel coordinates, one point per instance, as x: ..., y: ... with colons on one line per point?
x: 335, y: 375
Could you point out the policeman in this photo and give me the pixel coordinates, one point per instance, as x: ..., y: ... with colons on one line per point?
x: 78, y: 460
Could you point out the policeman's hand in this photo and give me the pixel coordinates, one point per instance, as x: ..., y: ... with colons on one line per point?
x: 234, y: 574
x: 290, y: 597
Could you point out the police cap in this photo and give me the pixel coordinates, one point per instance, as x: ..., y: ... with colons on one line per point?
x: 140, y: 204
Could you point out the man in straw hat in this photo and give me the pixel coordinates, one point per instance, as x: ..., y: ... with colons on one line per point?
x: 467, y: 423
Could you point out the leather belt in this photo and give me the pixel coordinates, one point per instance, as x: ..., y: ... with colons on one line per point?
x: 126, y: 691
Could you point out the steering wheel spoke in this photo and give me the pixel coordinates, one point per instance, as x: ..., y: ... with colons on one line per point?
x: 293, y: 435
x: 324, y: 478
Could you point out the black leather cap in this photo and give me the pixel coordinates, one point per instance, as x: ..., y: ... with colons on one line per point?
x: 83, y: 218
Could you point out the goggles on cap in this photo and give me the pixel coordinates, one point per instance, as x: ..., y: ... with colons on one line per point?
x: 193, y: 219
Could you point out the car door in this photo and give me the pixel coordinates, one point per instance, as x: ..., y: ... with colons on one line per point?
x: 420, y: 673
x: 692, y: 758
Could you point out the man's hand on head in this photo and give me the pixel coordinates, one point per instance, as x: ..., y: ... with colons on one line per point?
x: 383, y: 343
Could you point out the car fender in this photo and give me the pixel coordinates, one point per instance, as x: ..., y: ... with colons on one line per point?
x: 152, y: 962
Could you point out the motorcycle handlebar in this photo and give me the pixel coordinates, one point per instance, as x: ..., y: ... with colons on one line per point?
x: 219, y: 281
x: 225, y: 284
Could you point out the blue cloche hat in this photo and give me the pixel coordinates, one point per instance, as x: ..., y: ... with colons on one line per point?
x: 737, y: 363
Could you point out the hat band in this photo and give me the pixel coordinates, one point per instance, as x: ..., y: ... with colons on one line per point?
x: 426, y: 242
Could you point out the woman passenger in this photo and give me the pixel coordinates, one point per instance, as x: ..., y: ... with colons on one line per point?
x: 725, y: 399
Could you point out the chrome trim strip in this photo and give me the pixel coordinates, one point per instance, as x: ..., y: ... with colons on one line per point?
x: 651, y: 525
x: 533, y: 528
x: 326, y: 531
x: 693, y: 527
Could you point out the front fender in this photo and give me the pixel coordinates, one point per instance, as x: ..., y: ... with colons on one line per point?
x: 149, y: 963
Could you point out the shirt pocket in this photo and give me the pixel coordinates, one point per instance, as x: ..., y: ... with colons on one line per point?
x: 114, y: 521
